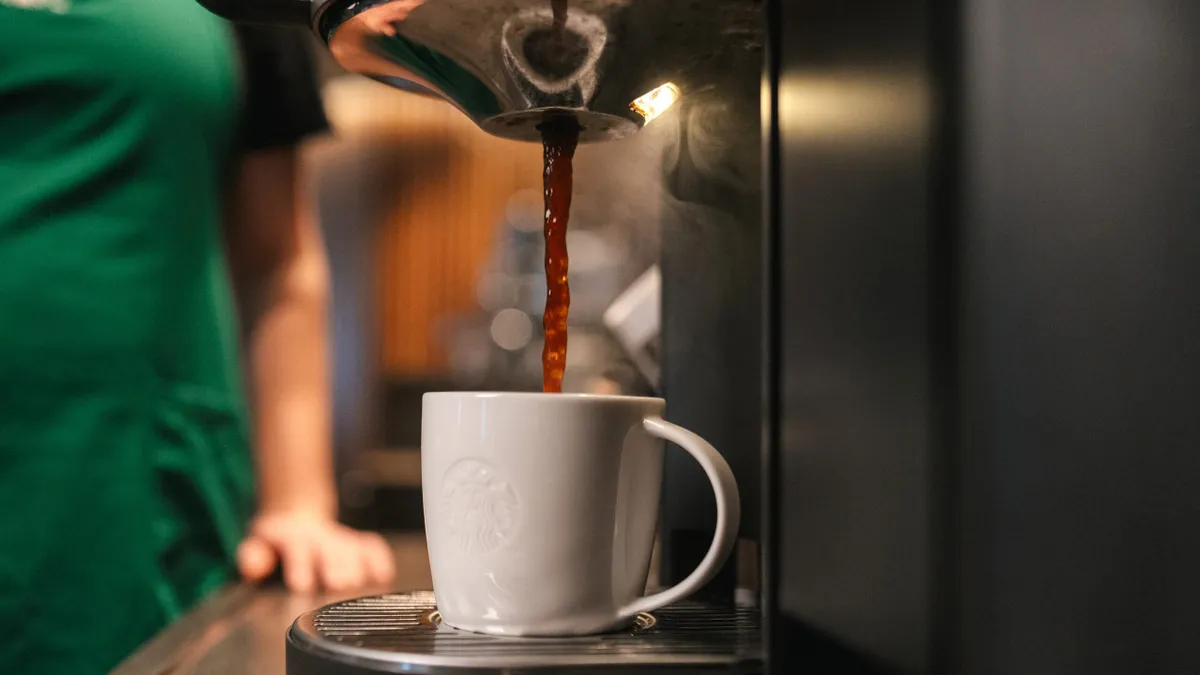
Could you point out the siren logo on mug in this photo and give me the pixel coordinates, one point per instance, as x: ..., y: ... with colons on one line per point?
x: 480, y: 508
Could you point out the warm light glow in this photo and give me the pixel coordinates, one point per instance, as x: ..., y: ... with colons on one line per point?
x: 656, y: 102
x: 891, y: 107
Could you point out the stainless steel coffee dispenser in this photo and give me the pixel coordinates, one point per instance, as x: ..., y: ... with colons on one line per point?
x: 509, y: 64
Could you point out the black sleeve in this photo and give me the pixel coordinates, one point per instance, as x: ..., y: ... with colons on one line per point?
x: 281, y: 101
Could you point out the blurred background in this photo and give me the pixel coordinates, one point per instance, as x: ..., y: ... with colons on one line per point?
x: 434, y: 231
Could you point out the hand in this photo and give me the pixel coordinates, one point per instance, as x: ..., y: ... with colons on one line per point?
x: 315, y: 551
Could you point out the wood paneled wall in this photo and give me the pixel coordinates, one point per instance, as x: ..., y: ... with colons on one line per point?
x: 449, y: 187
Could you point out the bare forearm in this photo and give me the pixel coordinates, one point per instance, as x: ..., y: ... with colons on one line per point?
x: 279, y: 267
x: 290, y: 371
x: 296, y: 526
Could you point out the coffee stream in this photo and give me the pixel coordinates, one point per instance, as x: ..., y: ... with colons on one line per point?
x: 559, y: 10
x: 559, y: 138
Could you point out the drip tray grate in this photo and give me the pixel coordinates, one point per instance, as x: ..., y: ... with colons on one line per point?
x: 404, y: 633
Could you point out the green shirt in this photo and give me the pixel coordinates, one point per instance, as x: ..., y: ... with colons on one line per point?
x: 125, y: 476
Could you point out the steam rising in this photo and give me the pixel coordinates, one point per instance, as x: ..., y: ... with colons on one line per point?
x: 692, y: 174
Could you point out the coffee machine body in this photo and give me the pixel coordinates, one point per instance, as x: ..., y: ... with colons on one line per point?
x: 982, y: 337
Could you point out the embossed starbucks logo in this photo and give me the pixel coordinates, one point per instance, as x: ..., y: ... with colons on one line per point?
x: 479, y: 507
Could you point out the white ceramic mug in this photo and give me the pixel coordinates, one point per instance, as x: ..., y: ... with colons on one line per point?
x: 541, y: 509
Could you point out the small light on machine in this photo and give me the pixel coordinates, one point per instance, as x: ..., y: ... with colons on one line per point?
x: 656, y: 102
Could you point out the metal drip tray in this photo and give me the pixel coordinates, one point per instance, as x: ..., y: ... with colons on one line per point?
x: 402, y: 633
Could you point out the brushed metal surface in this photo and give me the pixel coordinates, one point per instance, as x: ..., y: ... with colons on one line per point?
x: 402, y: 632
x: 510, y: 65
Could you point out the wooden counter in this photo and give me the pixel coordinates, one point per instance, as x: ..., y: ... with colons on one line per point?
x: 241, y: 630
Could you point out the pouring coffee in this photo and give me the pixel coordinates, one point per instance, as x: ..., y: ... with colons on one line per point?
x: 561, y: 72
x: 559, y: 139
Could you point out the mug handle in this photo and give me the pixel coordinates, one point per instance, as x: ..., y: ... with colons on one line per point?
x: 729, y: 516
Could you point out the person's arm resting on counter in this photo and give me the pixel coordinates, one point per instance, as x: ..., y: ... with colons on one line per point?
x: 279, y: 266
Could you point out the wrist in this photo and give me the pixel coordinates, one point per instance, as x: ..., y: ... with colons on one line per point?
x: 319, y: 506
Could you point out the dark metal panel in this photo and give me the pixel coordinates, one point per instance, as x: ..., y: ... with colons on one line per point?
x: 1082, y: 337
x: 1064, y: 450
x: 855, y: 368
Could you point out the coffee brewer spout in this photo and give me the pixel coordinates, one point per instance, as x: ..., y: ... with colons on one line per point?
x: 507, y: 64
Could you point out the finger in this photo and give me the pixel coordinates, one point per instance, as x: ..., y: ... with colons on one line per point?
x: 255, y: 559
x: 341, y: 566
x: 299, y: 565
x: 380, y: 562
